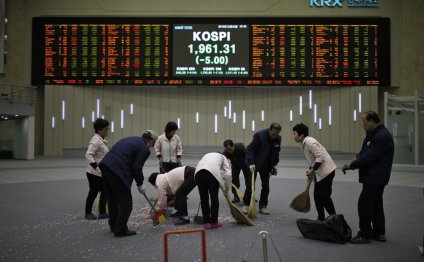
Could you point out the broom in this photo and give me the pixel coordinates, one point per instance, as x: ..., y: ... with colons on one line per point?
x: 302, y: 202
x: 158, y: 216
x: 251, y: 212
x: 236, y: 212
x: 238, y: 192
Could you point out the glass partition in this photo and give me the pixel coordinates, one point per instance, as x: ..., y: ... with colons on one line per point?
x: 404, y: 117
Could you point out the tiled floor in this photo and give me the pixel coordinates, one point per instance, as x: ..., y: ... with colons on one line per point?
x: 42, y: 201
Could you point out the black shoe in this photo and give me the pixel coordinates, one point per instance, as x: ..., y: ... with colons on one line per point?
x: 380, y: 238
x: 125, y: 233
x: 90, y: 216
x: 360, y: 240
x: 103, y: 216
x: 235, y: 200
x: 181, y: 221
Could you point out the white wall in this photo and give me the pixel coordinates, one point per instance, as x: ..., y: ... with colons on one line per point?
x: 154, y: 107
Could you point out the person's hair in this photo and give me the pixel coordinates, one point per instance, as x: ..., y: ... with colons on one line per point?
x: 150, y: 135
x: 372, y: 115
x: 99, y: 124
x: 170, y: 126
x: 275, y: 126
x: 228, y: 142
x: 301, y: 129
x: 152, y: 178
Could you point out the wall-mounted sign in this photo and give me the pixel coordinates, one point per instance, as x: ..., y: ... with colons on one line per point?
x: 339, y: 3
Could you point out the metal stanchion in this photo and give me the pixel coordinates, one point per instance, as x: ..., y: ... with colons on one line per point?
x: 264, y: 235
x: 264, y: 245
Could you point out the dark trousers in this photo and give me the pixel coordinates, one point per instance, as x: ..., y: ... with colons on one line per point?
x: 208, y: 185
x: 322, y: 196
x: 168, y: 166
x: 182, y: 192
x: 96, y: 186
x: 371, y: 212
x: 247, y: 179
x: 264, y: 174
x: 119, y: 200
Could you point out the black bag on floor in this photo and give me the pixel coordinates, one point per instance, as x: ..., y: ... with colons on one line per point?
x: 333, y: 229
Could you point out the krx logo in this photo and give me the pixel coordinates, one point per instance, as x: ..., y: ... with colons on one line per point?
x: 328, y: 3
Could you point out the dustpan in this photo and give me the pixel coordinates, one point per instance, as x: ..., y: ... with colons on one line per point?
x: 198, y: 219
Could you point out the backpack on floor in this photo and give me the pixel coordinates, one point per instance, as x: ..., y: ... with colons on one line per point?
x: 333, y: 229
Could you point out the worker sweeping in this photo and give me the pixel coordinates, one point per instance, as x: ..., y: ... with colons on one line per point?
x: 211, y: 171
x: 121, y: 165
x: 179, y: 182
x: 322, y: 169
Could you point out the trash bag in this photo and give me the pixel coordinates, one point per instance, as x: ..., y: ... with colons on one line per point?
x: 333, y: 229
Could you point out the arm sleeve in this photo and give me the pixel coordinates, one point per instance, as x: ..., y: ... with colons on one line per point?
x: 251, y: 150
x: 179, y: 147
x: 316, y: 166
x: 89, y: 155
x: 317, y: 152
x: 138, y: 164
x: 277, y: 153
x: 162, y: 196
x: 158, y: 147
x: 227, y: 174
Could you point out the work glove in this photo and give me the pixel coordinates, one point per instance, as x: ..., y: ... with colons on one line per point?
x: 179, y: 161
x: 345, y: 167
x: 274, y: 171
x: 252, y: 168
x: 142, y: 189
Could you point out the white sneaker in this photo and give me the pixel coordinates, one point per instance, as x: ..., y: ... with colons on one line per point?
x: 264, y: 211
x: 245, y: 209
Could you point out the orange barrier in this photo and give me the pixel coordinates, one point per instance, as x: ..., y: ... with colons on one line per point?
x: 184, y: 231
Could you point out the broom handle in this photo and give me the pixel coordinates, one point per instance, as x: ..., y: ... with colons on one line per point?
x: 198, y: 209
x: 308, y: 185
x: 149, y: 202
x: 253, y: 181
x: 223, y: 190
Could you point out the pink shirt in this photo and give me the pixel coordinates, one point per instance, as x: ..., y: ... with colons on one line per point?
x: 169, y: 183
x: 315, y: 152
x: 97, y: 149
x: 219, y: 166
x: 169, y: 149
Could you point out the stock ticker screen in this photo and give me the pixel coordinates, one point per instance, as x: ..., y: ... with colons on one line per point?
x: 211, y: 51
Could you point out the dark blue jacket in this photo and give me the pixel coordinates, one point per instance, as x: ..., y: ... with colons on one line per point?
x: 126, y: 159
x: 263, y: 152
x: 238, y: 158
x: 376, y: 157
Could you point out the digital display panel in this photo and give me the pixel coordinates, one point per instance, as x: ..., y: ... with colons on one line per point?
x: 211, y: 51
x: 203, y: 50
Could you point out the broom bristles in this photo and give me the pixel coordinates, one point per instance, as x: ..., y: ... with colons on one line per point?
x: 236, y: 213
x: 161, y: 219
x: 302, y: 202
